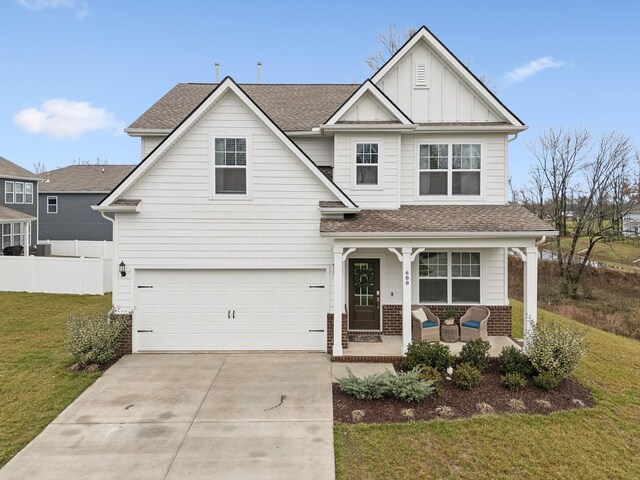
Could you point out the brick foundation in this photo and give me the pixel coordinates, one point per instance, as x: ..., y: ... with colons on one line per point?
x: 345, y: 335
x: 126, y: 346
x: 499, y: 323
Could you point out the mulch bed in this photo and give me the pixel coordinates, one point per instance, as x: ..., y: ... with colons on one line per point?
x: 568, y: 395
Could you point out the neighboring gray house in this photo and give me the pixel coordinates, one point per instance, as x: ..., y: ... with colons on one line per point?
x: 66, y: 196
x: 18, y: 205
x: 631, y: 223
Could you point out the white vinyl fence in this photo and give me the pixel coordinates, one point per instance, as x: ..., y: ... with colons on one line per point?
x: 80, y: 248
x: 56, y: 275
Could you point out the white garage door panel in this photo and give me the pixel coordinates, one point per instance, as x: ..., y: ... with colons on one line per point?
x: 191, y: 310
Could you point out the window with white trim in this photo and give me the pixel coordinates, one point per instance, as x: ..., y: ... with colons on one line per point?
x: 19, y: 192
x: 17, y: 233
x: 450, y: 169
x: 52, y: 204
x: 230, y: 169
x: 28, y: 193
x: 449, y: 277
x: 367, y: 163
x: 9, y: 192
x: 6, y: 235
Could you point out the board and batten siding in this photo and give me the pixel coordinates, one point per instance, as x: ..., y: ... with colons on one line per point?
x: 494, y: 175
x: 447, y: 97
x: 179, y: 226
x: 75, y: 219
x: 318, y: 149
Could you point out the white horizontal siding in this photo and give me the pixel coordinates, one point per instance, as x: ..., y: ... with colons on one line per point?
x: 179, y: 226
x: 319, y: 149
x: 149, y: 143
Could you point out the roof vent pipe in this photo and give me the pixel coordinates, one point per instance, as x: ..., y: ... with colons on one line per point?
x: 217, y: 72
x: 259, y: 72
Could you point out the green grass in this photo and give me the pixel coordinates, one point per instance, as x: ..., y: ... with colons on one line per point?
x: 618, y: 254
x: 596, y: 443
x: 35, y: 385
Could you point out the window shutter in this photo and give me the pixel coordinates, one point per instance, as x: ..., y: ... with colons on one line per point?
x: 421, y: 74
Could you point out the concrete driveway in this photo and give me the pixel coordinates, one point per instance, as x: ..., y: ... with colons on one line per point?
x: 197, y: 416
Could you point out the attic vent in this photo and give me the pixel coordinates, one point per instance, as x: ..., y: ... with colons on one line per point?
x: 421, y: 74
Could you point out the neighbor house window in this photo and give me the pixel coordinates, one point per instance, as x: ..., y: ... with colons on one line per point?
x: 17, y: 234
x: 6, y: 235
x: 230, y: 170
x: 367, y: 163
x: 52, y: 204
x: 450, y: 169
x: 28, y: 193
x: 449, y: 277
x: 9, y: 192
x: 19, y: 192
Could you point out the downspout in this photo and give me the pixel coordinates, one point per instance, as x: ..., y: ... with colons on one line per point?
x: 112, y: 220
x: 515, y: 135
x: 541, y: 241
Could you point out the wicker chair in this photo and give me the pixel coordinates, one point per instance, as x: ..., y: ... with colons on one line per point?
x: 473, y: 324
x: 425, y: 326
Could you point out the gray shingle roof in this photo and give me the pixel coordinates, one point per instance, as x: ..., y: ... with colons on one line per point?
x: 293, y: 107
x: 84, y: 178
x: 9, y: 214
x: 439, y: 219
x: 9, y: 169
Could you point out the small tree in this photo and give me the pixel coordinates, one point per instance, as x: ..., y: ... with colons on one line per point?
x: 390, y: 40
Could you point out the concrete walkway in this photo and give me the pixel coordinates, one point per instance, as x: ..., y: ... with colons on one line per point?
x: 197, y: 416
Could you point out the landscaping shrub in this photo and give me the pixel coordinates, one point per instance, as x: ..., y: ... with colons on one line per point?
x: 517, y: 405
x: 367, y: 388
x: 466, y: 376
x: 434, y: 355
x: 433, y: 375
x: 555, y: 349
x: 514, y: 381
x: 94, y: 339
x: 476, y: 353
x: 546, y: 381
x: 409, y: 386
x: 512, y: 360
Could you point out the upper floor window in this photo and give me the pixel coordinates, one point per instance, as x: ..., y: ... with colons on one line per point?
x: 450, y: 169
x: 230, y: 169
x: 9, y: 192
x: 52, y: 204
x: 28, y: 193
x: 18, y: 192
x: 367, y: 163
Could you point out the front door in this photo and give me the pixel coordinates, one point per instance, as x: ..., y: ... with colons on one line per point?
x: 364, y: 294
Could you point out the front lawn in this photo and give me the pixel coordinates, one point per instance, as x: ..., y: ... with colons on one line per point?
x: 35, y: 385
x: 600, y: 442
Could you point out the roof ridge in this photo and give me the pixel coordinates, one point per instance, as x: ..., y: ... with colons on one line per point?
x: 268, y: 84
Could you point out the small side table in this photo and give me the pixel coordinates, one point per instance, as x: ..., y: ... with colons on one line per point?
x: 449, y: 333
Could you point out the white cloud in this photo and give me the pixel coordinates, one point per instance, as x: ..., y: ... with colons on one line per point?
x: 81, y: 8
x: 523, y: 72
x: 60, y: 118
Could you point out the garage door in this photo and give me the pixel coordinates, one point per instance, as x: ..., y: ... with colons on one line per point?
x: 230, y: 310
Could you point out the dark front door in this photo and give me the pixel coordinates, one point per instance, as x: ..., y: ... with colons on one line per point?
x: 364, y: 294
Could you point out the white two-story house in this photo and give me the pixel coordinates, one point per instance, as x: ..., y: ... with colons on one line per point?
x: 283, y: 217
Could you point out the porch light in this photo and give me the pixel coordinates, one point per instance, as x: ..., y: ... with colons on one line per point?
x: 123, y: 269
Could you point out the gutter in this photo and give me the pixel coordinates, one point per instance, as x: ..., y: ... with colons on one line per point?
x: 493, y: 235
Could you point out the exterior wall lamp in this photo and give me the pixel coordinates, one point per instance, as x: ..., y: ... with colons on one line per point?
x: 123, y: 269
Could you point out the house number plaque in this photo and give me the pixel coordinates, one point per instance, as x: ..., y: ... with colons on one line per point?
x: 406, y: 277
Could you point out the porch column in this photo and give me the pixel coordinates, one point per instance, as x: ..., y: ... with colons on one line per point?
x: 25, y: 238
x: 530, y: 293
x: 406, y: 298
x: 338, y: 290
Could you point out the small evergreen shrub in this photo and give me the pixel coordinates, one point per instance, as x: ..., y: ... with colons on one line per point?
x: 94, y: 339
x: 409, y: 386
x: 368, y: 388
x: 546, y: 381
x: 512, y: 360
x: 433, y: 375
x: 476, y: 353
x: 555, y: 349
x: 514, y: 381
x: 434, y: 355
x: 466, y: 376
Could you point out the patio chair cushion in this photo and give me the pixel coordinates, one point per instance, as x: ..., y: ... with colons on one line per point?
x: 428, y: 324
x: 471, y: 324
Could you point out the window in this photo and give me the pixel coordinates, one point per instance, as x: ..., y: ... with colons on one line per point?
x: 230, y: 170
x: 9, y: 192
x: 443, y: 174
x: 28, y: 193
x: 17, y: 233
x: 19, y: 192
x: 6, y: 235
x: 449, y: 277
x: 52, y: 204
x: 367, y: 163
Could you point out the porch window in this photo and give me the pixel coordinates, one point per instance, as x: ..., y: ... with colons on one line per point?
x: 230, y: 170
x: 450, y: 169
x: 17, y: 234
x: 367, y: 163
x: 6, y: 235
x: 449, y: 277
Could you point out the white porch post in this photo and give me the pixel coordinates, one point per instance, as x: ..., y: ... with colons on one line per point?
x: 338, y: 290
x: 25, y: 238
x: 406, y: 298
x: 530, y: 293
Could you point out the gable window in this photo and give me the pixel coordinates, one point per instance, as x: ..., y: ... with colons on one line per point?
x: 449, y: 277
x: 28, y: 193
x: 9, y: 192
x: 230, y: 169
x: 450, y: 169
x: 52, y: 204
x: 19, y: 192
x: 367, y: 163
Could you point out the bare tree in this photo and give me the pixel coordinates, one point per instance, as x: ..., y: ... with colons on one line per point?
x: 390, y: 40
x: 39, y: 167
x: 573, y: 172
x: 97, y: 161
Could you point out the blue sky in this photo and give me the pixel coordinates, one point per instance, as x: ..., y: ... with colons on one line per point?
x: 75, y: 72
